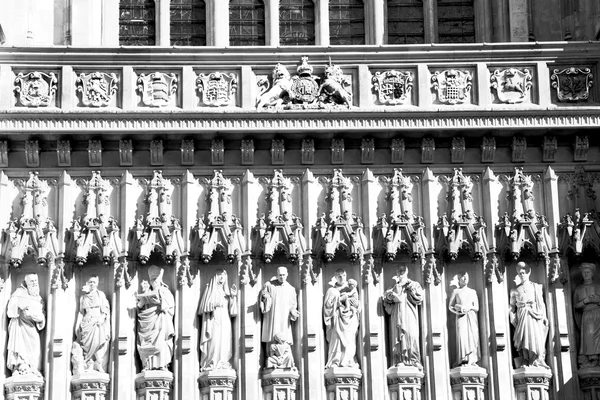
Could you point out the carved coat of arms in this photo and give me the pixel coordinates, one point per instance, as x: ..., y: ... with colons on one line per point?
x: 393, y: 87
x: 217, y: 89
x: 97, y: 88
x: 453, y: 86
x: 305, y: 87
x: 572, y: 84
x: 35, y: 89
x: 512, y: 85
x: 157, y: 89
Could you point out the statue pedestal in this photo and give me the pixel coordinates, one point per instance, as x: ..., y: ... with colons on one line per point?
x: 532, y: 383
x: 280, y: 384
x: 342, y: 383
x: 405, y: 382
x: 24, y: 387
x: 589, y: 382
x: 468, y: 382
x: 153, y: 385
x: 91, y: 385
x: 217, y: 384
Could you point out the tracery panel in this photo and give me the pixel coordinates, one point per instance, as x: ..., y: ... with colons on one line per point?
x: 346, y: 22
x: 456, y: 21
x: 137, y: 19
x: 246, y: 23
x: 188, y: 23
x: 296, y: 23
x: 405, y: 22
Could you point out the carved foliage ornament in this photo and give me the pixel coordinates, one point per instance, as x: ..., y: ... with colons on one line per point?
x: 393, y: 87
x: 453, y: 86
x: 572, y: 84
x: 36, y: 89
x: 157, y: 89
x: 97, y: 89
x: 512, y: 85
x: 217, y: 88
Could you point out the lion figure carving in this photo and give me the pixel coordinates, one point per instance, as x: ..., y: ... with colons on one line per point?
x: 277, y: 94
x: 335, y: 88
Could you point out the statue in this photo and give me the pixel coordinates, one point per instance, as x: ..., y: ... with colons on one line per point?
x: 278, y: 304
x: 401, y: 301
x: 341, y: 315
x: 27, y: 318
x: 528, y: 315
x: 217, y: 306
x: 465, y: 304
x: 280, y: 354
x: 586, y: 301
x: 93, y: 327
x: 155, y: 322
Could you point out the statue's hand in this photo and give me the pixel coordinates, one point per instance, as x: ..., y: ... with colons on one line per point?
x: 294, y: 313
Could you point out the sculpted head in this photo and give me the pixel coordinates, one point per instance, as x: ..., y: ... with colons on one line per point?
x: 155, y: 274
x: 523, y: 271
x: 221, y: 277
x: 402, y: 271
x: 91, y: 285
x: 282, y: 274
x: 32, y: 284
x: 340, y: 276
x: 463, y: 278
x: 588, y: 270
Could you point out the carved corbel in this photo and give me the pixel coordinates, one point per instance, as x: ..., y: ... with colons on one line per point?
x: 187, y: 152
x: 488, y: 149
x: 549, y: 148
x: 32, y: 153
x: 63, y: 152
x: 519, y: 148
x: 458, y: 149
x: 427, y: 150
x: 217, y: 152
x: 156, y: 152
x: 247, y: 152
x: 367, y: 151
x: 308, y: 151
x: 397, y: 148
x: 277, y: 152
x: 581, y: 148
x: 337, y: 151
x: 125, y: 153
x: 95, y: 153
x: 3, y: 154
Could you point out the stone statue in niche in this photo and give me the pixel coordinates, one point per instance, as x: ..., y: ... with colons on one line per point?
x: 93, y: 328
x: 217, y: 306
x: 401, y: 302
x: 27, y: 319
x: 465, y: 305
x: 278, y: 304
x: 586, y: 301
x: 528, y: 316
x: 341, y: 313
x: 156, y: 307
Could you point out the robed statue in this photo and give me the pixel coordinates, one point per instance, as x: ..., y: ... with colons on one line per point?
x: 586, y: 301
x: 465, y: 305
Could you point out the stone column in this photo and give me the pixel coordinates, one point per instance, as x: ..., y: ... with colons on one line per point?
x: 342, y: 383
x: 468, y: 382
x: 272, y: 22
x: 322, y: 23
x: 163, y: 27
x: 279, y: 384
x: 91, y: 385
x: 379, y: 23
x: 532, y: 383
x: 24, y: 387
x: 221, y: 23
x: 405, y: 382
x: 217, y: 384
x: 154, y: 385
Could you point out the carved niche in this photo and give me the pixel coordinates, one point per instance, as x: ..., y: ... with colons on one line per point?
x: 35, y: 89
x: 220, y: 230
x: 572, y: 84
x: 97, y: 89
x: 280, y: 229
x: 217, y: 89
x: 512, y: 85
x: 157, y: 89
x: 452, y: 86
x: 158, y: 230
x: 340, y: 228
x: 402, y: 230
x: 460, y: 229
x: 305, y: 91
x: 393, y: 87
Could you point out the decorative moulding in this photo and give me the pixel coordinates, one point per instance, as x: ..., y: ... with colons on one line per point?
x: 427, y: 150
x: 217, y: 152
x: 156, y: 152
x: 397, y: 148
x: 337, y: 151
x: 549, y: 148
x: 97, y: 89
x: 95, y: 153
x: 125, y: 153
x: 277, y: 152
x: 36, y: 89
x: 519, y: 149
x: 393, y: 87
x: 488, y: 149
x: 247, y: 152
x: 187, y: 152
x: 572, y: 84
x: 581, y: 148
x: 32, y: 153
x: 157, y: 89
x: 367, y: 151
x: 63, y: 152
x: 308, y: 151
x: 217, y: 89
x: 457, y: 151
x: 512, y: 85
x: 452, y: 86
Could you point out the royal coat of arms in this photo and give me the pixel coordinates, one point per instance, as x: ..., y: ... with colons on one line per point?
x: 453, y: 86
x: 393, y: 87
x: 97, y: 89
x: 217, y: 89
x: 512, y: 85
x: 305, y: 88
x: 157, y: 89
x: 572, y: 84
x: 35, y: 89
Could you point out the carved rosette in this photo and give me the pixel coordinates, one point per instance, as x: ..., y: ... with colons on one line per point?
x: 460, y: 229
x: 402, y: 231
x: 393, y: 87
x: 98, y: 89
x: 220, y: 230
x: 279, y: 229
x: 157, y: 89
x: 35, y: 89
x: 217, y: 89
x: 452, y: 86
x: 572, y: 84
x: 512, y: 85
x: 340, y: 228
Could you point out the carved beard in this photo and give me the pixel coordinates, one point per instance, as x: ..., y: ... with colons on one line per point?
x: 33, y: 290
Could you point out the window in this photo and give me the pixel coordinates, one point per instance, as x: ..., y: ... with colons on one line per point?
x: 188, y: 23
x: 296, y: 22
x: 456, y: 21
x: 346, y: 22
x: 137, y: 23
x: 405, y: 22
x: 246, y: 23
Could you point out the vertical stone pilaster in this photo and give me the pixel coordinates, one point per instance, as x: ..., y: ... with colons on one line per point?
x: 378, y: 13
x: 163, y: 27
x: 6, y: 86
x: 110, y: 24
x: 272, y: 22
x: 86, y: 23
x: 518, y: 20
x: 188, y: 88
x: 221, y: 23
x: 322, y: 22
